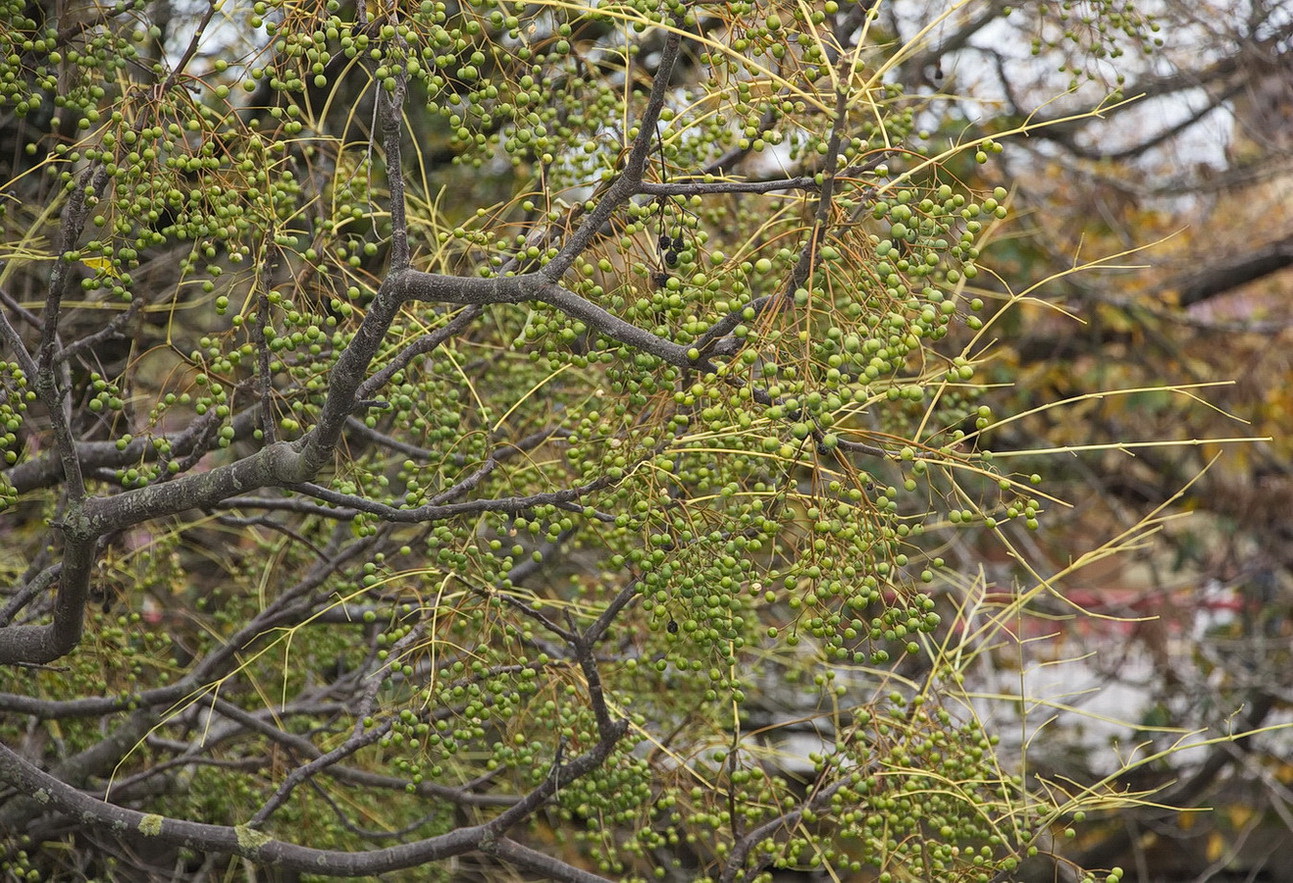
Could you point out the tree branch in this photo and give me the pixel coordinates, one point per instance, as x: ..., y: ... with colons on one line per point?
x: 551, y: 868
x: 438, y: 512
x: 1223, y: 275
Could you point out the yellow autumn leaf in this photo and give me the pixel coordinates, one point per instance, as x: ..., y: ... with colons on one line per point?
x: 1239, y: 815
x: 102, y: 265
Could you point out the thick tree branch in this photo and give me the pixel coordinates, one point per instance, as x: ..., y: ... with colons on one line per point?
x: 258, y: 847
x: 277, y: 465
x: 392, y: 110
x: 37, y: 644
x: 537, y: 862
x: 1220, y: 276
x: 43, y: 471
x: 414, y: 285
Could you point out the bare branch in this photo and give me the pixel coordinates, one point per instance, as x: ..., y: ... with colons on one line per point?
x: 437, y: 512
x: 629, y: 182
x: 537, y: 862
x: 1221, y: 275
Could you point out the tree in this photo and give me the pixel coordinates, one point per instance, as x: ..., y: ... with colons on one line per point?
x: 1199, y: 164
x: 502, y: 433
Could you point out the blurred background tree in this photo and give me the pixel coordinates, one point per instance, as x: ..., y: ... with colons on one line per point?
x: 1200, y: 166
